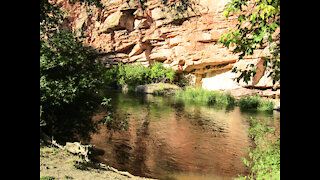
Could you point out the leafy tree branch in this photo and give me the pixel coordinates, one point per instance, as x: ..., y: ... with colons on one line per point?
x: 258, y: 28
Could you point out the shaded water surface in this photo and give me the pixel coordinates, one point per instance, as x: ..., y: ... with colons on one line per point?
x: 173, y: 139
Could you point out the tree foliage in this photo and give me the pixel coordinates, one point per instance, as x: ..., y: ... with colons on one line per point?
x: 258, y: 27
x: 69, y: 78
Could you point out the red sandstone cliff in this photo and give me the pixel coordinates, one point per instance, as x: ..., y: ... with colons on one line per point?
x: 185, y: 41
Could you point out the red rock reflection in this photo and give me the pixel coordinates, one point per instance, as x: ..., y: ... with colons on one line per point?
x: 176, y: 140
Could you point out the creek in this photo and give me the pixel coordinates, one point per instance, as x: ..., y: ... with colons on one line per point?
x: 169, y: 138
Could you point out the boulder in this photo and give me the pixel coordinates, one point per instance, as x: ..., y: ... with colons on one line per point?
x: 157, y: 88
x: 80, y: 149
x: 112, y: 22
x: 118, y: 21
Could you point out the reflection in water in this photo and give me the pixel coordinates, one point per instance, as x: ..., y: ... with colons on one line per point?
x: 170, y: 139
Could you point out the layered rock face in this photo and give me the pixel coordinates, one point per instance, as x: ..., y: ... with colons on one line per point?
x: 125, y: 31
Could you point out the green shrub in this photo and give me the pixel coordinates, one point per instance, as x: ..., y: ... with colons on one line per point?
x: 255, y: 102
x: 248, y: 102
x: 161, y: 74
x: 264, y: 159
x: 266, y: 105
x: 46, y: 178
x: 135, y: 75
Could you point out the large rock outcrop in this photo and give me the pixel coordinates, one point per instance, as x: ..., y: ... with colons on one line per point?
x: 125, y: 31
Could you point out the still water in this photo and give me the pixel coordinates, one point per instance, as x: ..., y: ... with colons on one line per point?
x: 173, y: 139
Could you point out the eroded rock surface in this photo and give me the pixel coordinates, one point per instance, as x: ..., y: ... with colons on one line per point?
x: 125, y: 31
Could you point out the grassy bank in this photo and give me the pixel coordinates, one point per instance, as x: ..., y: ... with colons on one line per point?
x: 208, y: 97
x: 255, y: 103
x: 221, y: 99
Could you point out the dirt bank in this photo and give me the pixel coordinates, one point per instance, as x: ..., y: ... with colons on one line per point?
x: 59, y: 164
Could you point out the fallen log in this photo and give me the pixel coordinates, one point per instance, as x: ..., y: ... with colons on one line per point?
x: 123, y: 173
